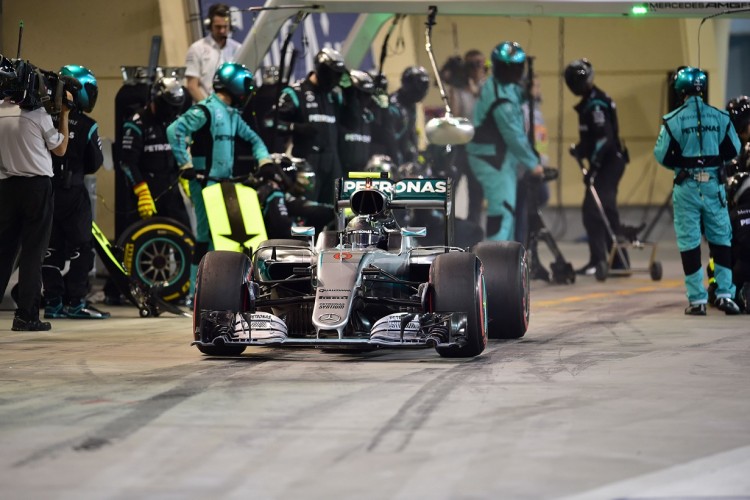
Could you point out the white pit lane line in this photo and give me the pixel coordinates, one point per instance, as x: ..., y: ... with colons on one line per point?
x: 723, y: 475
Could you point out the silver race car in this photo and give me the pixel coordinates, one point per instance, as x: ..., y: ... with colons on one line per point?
x: 367, y: 285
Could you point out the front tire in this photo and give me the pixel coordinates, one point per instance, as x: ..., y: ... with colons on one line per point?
x: 221, y: 286
x: 457, y: 286
x: 506, y: 278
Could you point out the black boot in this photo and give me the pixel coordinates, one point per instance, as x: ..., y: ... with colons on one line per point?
x: 696, y: 310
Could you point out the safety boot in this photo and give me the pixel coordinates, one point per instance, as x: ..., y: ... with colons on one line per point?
x: 727, y: 305
x: 55, y: 309
x: 30, y: 325
x: 84, y: 310
x: 696, y: 310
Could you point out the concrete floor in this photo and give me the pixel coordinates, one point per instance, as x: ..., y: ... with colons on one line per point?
x: 613, y: 393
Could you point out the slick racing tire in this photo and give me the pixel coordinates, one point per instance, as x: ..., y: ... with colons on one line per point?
x: 457, y: 286
x: 220, y: 286
x: 506, y: 279
x: 159, y: 250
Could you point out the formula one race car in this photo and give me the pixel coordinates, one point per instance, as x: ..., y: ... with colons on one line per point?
x: 367, y: 285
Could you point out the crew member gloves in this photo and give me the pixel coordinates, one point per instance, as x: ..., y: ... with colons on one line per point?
x: 187, y: 171
x: 146, y: 206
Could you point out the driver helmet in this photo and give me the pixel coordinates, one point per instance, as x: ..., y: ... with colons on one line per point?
x: 362, y: 233
x: 579, y: 76
x: 329, y: 67
x: 690, y: 81
x: 85, y: 98
x: 168, y: 96
x: 508, y: 62
x: 415, y: 82
x: 237, y: 81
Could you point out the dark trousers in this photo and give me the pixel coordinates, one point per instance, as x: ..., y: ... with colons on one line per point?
x: 605, y: 183
x: 26, y: 205
x: 70, y: 239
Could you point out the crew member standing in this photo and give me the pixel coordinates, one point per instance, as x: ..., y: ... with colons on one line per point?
x: 146, y: 157
x: 500, y: 143
x: 71, y: 238
x: 27, y: 135
x: 309, y: 111
x: 403, y: 110
x: 203, y: 140
x: 206, y: 55
x: 695, y: 140
x: 600, y: 144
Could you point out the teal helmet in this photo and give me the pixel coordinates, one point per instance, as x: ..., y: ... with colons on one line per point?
x: 690, y: 81
x: 237, y: 81
x: 85, y: 98
x: 508, y: 61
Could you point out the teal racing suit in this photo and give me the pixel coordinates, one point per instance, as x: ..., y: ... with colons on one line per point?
x: 694, y: 141
x: 499, y: 148
x: 211, y: 154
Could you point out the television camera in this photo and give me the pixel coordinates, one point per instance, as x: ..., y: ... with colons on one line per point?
x: 31, y: 87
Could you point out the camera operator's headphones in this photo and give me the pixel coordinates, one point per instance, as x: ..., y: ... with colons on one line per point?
x: 218, y: 10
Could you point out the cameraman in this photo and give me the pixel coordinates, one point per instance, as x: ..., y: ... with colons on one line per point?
x: 27, y: 135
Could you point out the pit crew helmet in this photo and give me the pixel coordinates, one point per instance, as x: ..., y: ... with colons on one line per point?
x: 738, y: 189
x: 690, y: 81
x: 579, y: 76
x: 274, y: 172
x: 237, y: 81
x: 270, y: 75
x: 361, y: 232
x: 362, y: 81
x: 414, y: 84
x: 508, y: 62
x: 381, y: 163
x: 739, y: 112
x: 329, y: 67
x: 85, y: 98
x: 168, y: 96
x: 412, y: 170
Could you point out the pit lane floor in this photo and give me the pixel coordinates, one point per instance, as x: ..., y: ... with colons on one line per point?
x: 613, y: 393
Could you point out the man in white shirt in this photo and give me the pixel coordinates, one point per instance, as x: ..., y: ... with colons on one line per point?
x: 210, y: 52
x: 27, y: 136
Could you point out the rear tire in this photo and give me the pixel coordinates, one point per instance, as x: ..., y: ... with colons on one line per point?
x: 506, y: 279
x: 221, y: 286
x: 457, y: 286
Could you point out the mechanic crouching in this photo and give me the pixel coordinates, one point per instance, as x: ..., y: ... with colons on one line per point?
x: 281, y: 186
x: 209, y: 129
x: 695, y: 141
